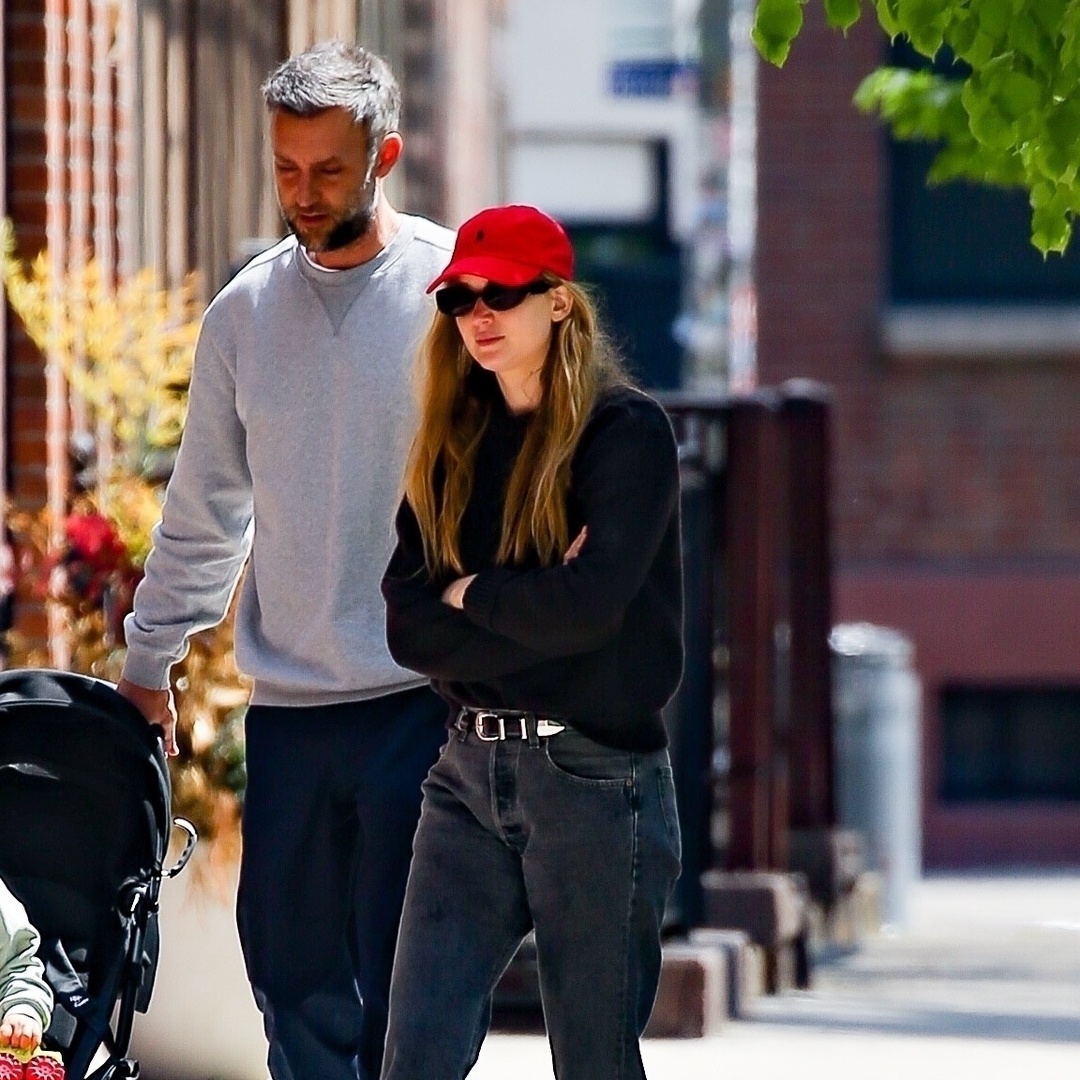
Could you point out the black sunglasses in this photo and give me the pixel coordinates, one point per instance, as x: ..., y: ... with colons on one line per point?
x: 459, y: 300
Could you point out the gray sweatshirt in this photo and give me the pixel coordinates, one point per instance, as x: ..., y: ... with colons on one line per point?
x: 23, y: 989
x: 300, y: 417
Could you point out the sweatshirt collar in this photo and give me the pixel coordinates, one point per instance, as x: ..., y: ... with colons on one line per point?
x: 357, y: 276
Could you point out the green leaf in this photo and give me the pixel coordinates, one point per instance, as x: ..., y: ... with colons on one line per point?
x: 1050, y: 14
x: 994, y: 16
x: 1056, y: 148
x: 882, y: 86
x: 886, y: 13
x: 1063, y: 124
x: 992, y: 130
x: 962, y: 33
x: 966, y: 159
x: 1016, y: 95
x: 1042, y: 194
x: 1014, y: 121
x: 776, y: 25
x: 924, y: 22
x: 981, y: 50
x: 917, y: 104
x: 952, y: 164
x: 1070, y: 33
x: 1051, y: 228
x: 1052, y: 161
x: 1065, y: 80
x: 987, y: 123
x: 1027, y: 38
x: 843, y: 14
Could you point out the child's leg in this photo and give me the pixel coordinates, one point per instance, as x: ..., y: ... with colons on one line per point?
x: 602, y: 857
x: 464, y: 917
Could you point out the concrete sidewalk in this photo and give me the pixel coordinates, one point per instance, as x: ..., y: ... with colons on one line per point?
x: 983, y: 982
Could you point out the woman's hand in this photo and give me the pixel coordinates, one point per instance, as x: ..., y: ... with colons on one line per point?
x: 454, y: 593
x: 574, y: 549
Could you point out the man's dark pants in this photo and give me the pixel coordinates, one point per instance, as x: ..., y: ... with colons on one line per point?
x: 333, y: 797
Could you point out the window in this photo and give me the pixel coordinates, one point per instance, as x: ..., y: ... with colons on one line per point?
x: 963, y: 243
x: 635, y: 271
x: 1010, y: 744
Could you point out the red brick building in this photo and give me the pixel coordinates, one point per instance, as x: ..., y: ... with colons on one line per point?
x: 134, y: 135
x: 956, y: 446
x: 113, y: 153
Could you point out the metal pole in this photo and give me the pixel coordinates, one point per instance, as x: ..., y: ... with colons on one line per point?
x: 804, y: 420
x: 758, y: 776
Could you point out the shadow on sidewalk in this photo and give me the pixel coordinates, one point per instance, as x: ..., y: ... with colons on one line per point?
x: 941, y: 1022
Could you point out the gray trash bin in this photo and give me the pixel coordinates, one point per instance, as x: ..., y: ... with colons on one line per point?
x: 876, y: 731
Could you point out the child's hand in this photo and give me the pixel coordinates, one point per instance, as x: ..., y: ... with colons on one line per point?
x: 19, y: 1032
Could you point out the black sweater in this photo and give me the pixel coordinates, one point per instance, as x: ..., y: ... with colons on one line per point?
x: 597, y: 641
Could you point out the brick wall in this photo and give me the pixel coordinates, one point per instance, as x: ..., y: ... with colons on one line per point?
x: 27, y: 182
x: 820, y: 262
x: 956, y: 482
x: 933, y: 459
x: 970, y: 463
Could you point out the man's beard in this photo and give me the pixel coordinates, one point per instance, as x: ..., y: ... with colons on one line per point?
x: 349, y: 228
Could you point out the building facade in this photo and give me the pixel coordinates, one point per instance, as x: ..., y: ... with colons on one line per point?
x: 954, y: 355
x: 135, y: 136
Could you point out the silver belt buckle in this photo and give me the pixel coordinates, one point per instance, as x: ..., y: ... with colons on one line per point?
x: 481, y: 729
x: 544, y: 728
x: 480, y: 721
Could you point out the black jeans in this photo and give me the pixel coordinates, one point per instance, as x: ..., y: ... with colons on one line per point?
x: 332, y: 802
x: 563, y: 835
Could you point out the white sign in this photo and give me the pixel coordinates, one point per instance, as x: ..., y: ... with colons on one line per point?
x: 652, y: 47
x: 641, y: 30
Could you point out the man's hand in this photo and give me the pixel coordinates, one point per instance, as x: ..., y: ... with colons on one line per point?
x: 158, y: 708
x: 18, y: 1032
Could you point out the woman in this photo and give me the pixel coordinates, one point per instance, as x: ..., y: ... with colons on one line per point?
x: 537, y: 582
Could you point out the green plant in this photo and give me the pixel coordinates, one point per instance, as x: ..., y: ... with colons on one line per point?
x: 1008, y: 113
x: 126, y: 351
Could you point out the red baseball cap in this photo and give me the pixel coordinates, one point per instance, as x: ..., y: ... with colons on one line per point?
x: 510, y: 245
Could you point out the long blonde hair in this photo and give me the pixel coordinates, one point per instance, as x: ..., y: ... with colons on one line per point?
x: 580, y: 363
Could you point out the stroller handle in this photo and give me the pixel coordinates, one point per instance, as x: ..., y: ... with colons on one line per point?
x: 192, y: 838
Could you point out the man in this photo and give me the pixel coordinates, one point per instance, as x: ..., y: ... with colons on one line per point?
x: 299, y: 422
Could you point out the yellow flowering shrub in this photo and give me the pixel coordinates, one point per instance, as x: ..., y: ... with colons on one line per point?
x: 126, y: 351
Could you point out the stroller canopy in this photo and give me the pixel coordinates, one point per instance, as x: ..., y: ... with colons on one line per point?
x: 85, y: 801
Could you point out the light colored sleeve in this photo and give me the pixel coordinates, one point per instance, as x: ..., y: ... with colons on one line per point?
x: 23, y: 989
x: 204, y: 536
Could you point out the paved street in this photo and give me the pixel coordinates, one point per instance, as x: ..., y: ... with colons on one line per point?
x: 984, y: 982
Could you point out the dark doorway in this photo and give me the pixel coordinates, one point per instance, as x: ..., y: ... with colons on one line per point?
x: 636, y: 271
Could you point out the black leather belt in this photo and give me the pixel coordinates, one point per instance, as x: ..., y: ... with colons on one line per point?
x: 497, y: 725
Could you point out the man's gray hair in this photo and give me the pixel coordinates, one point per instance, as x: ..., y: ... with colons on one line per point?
x: 333, y: 75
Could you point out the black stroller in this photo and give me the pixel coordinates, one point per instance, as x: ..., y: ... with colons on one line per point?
x: 85, y: 803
